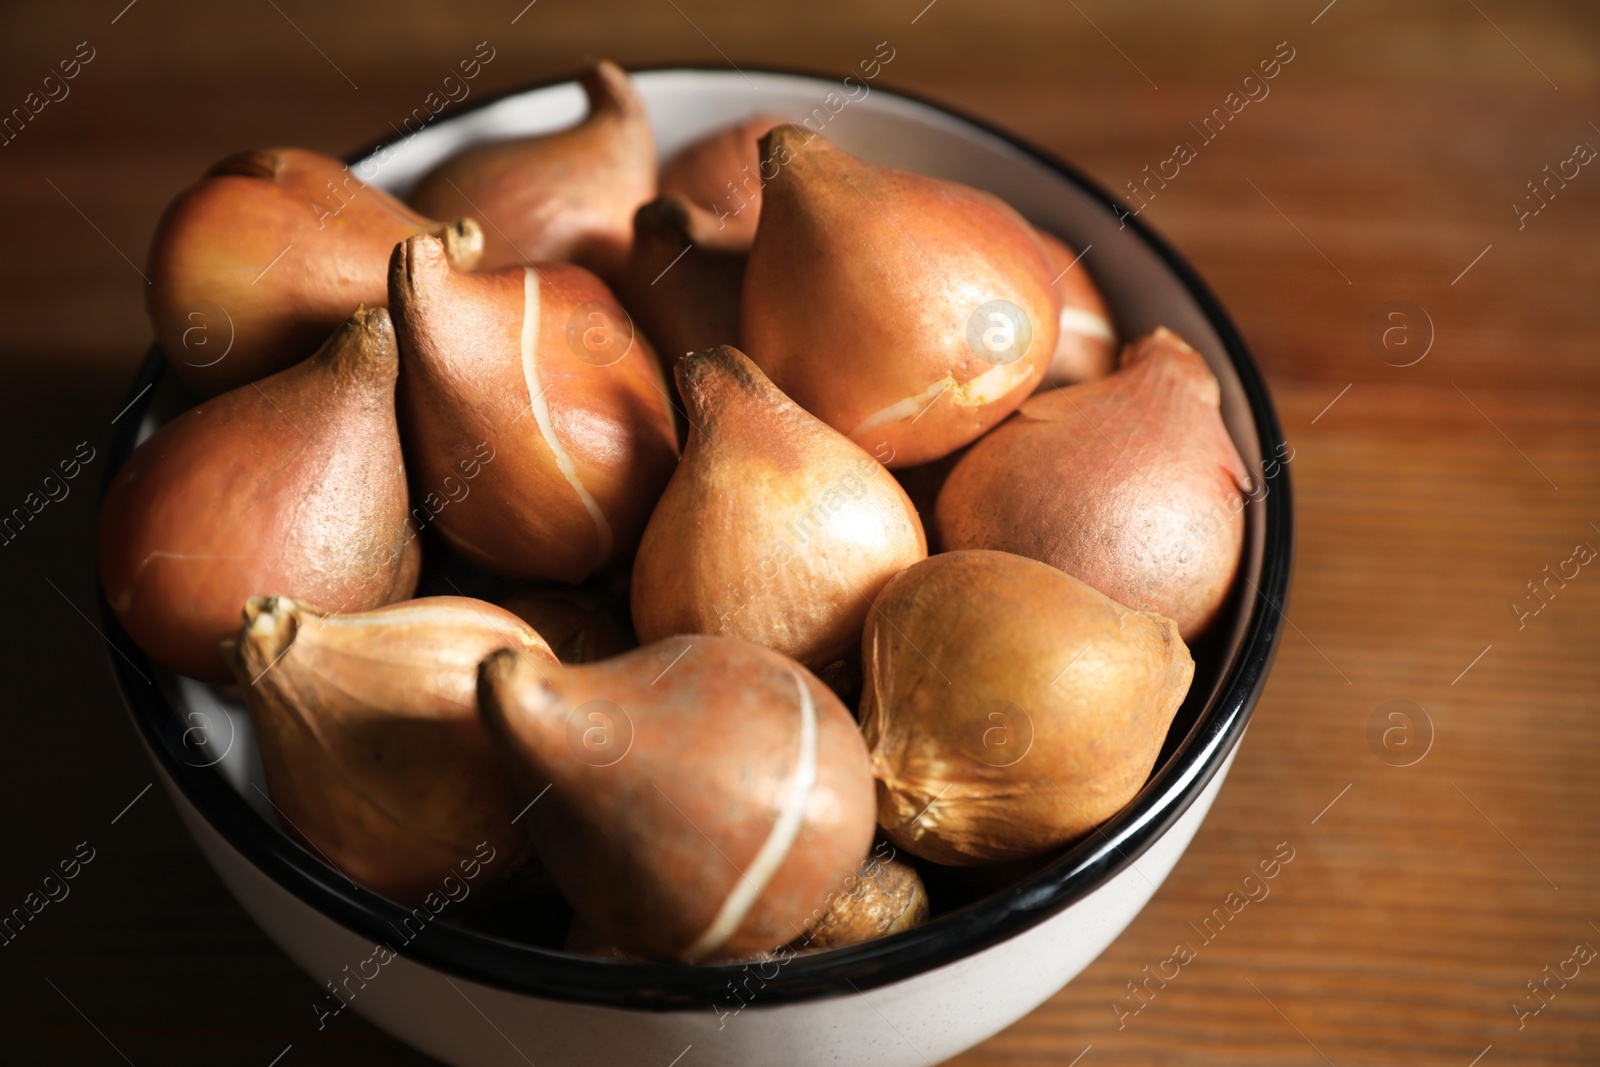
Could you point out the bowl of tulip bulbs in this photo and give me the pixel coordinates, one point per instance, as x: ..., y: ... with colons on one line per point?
x: 730, y: 561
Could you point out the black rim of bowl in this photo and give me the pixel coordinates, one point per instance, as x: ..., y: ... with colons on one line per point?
x: 650, y: 986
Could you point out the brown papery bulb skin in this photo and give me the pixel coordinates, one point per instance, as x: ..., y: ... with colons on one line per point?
x: 583, y: 623
x: 908, y: 313
x: 1009, y: 707
x: 254, y: 265
x: 886, y: 897
x: 370, y: 737
x: 683, y: 279
x: 293, y: 483
x: 532, y: 410
x: 1086, y: 342
x: 568, y: 195
x: 722, y: 173
x: 774, y: 527
x: 1130, y: 483
x: 706, y: 795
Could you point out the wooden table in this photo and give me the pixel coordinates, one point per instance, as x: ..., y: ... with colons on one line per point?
x: 1383, y: 167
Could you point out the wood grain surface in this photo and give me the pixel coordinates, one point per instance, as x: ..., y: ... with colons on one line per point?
x: 1422, y: 899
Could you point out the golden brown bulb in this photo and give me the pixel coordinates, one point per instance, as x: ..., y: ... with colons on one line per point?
x: 705, y: 794
x: 582, y: 623
x: 293, y: 484
x: 683, y: 279
x: 774, y: 527
x: 908, y: 313
x: 254, y: 265
x: 568, y: 195
x: 885, y: 897
x: 1130, y: 483
x: 1009, y: 707
x: 531, y: 382
x: 370, y: 738
x: 721, y: 173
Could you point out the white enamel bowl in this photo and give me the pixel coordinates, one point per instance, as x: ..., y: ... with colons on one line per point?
x: 914, y: 998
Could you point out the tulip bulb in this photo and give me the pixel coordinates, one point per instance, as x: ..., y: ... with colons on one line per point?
x: 566, y: 196
x: 254, y: 265
x: 885, y: 897
x: 1086, y: 342
x: 908, y: 313
x: 683, y: 278
x: 704, y: 797
x: 773, y: 528
x: 293, y: 483
x: 1130, y: 483
x: 1009, y: 707
x: 582, y: 623
x: 370, y: 738
x: 537, y: 372
x: 721, y: 173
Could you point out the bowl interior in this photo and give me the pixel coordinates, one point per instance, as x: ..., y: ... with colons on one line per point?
x: 204, y: 738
